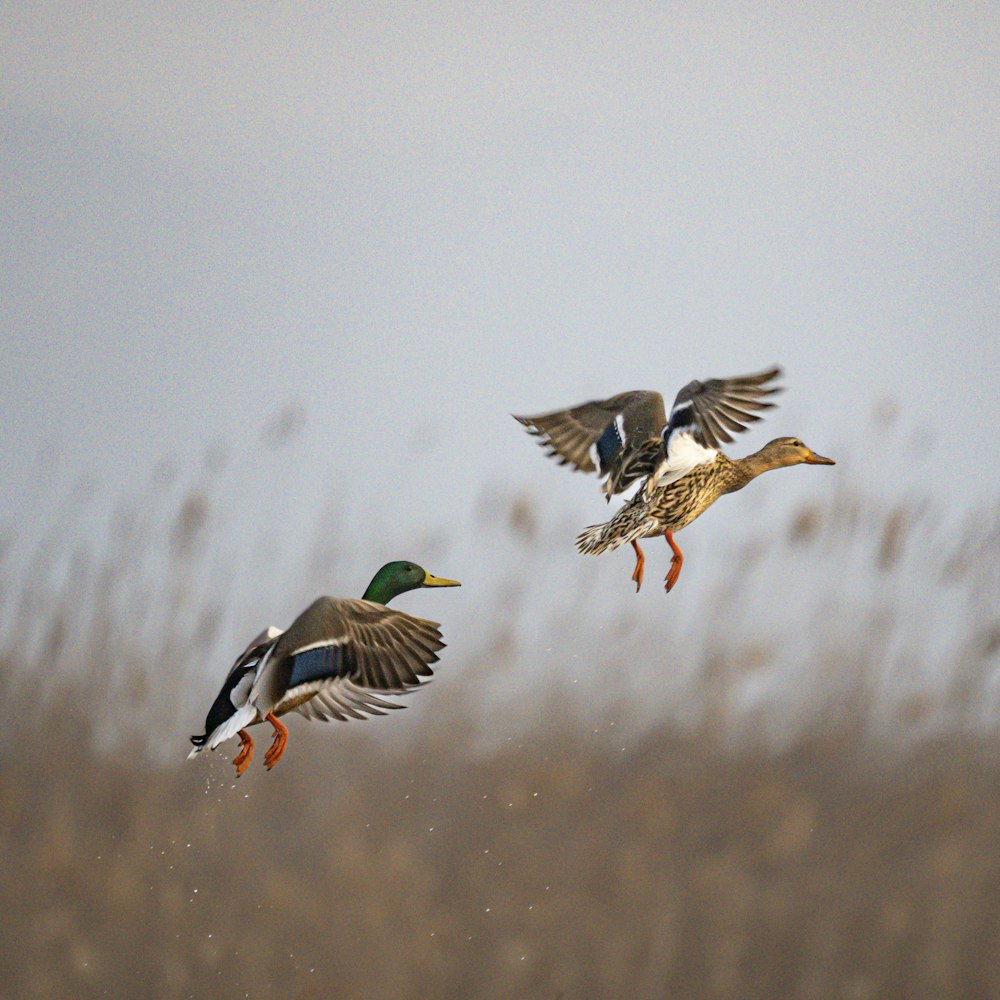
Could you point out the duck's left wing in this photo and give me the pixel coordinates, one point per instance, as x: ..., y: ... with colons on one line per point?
x: 710, y: 410
x: 708, y: 413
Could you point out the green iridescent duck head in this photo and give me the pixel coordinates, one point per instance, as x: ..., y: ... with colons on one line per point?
x: 397, y: 578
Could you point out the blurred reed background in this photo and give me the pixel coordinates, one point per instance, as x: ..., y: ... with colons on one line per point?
x: 781, y: 783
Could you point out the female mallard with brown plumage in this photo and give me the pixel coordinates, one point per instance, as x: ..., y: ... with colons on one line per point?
x: 628, y: 437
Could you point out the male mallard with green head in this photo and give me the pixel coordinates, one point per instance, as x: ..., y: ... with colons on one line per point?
x: 628, y: 437
x: 327, y: 665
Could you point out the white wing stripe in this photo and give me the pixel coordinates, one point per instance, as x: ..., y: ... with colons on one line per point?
x: 318, y: 645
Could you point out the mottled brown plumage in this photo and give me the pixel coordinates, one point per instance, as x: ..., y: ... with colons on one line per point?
x: 662, y: 510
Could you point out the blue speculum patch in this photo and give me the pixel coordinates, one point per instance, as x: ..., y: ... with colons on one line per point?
x: 315, y: 664
x: 608, y: 445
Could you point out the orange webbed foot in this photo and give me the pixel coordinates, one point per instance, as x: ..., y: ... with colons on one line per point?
x: 676, y: 561
x: 242, y: 760
x: 277, y: 748
x: 640, y: 565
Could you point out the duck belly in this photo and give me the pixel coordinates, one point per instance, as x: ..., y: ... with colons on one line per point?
x: 676, y: 506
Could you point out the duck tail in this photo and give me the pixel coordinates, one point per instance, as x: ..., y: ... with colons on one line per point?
x: 632, y: 521
x: 209, y: 741
x: 598, y: 538
x: 200, y: 743
x: 242, y: 717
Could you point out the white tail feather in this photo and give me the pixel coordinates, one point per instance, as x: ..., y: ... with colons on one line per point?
x: 237, y: 721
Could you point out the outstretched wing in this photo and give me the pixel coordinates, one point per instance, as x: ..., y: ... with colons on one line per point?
x: 341, y: 700
x: 706, y: 414
x: 618, y: 438
x: 710, y: 410
x: 339, y: 652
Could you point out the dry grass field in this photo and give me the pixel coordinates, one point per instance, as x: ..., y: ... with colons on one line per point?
x: 521, y: 851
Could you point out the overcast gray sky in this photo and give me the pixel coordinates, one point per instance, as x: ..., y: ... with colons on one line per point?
x: 412, y: 221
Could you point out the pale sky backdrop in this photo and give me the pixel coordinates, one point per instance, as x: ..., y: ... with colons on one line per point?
x: 407, y: 222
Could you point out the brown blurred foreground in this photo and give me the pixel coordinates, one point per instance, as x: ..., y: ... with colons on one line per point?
x: 488, y: 847
x: 557, y: 866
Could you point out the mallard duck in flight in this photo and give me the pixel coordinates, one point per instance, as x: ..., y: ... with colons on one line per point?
x: 328, y: 664
x: 628, y: 438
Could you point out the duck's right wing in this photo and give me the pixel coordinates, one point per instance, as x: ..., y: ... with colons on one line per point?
x: 340, y: 654
x: 618, y: 438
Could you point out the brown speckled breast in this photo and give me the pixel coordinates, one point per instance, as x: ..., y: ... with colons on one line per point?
x: 677, y: 505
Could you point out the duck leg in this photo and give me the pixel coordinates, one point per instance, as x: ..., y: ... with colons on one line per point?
x: 242, y: 760
x: 280, y: 739
x: 676, y: 561
x: 640, y: 565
